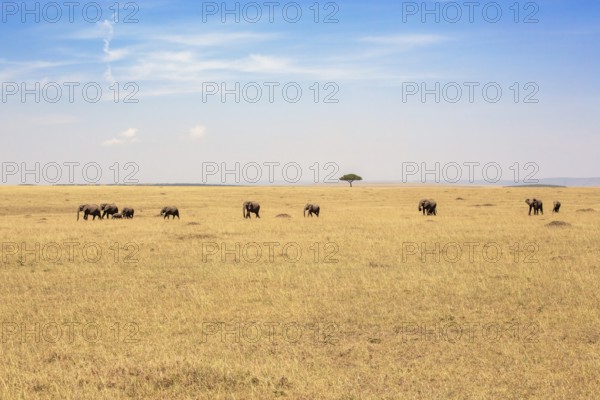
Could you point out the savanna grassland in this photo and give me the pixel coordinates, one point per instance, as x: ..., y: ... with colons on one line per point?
x: 381, y: 303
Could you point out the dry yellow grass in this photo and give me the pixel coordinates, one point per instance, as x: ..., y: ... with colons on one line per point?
x: 177, y: 323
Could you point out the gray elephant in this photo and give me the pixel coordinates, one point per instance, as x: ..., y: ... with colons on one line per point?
x: 89, y: 209
x: 312, y: 209
x: 250, y: 207
x: 556, y: 207
x: 173, y: 211
x: 108, y: 209
x: 535, y: 205
x: 127, y: 213
x: 429, y: 207
x: 117, y: 216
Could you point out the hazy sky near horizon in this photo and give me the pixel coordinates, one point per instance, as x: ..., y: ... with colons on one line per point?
x: 341, y: 83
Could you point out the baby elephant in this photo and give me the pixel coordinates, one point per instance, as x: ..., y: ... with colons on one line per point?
x: 173, y: 211
x: 127, y: 213
x: 556, y: 207
x: 108, y: 210
x: 117, y: 216
x: 312, y: 209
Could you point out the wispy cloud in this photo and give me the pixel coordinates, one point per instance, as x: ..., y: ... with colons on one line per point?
x: 215, y: 39
x: 127, y: 136
x: 53, y: 119
x: 197, y: 132
x: 110, y: 55
x: 406, y: 41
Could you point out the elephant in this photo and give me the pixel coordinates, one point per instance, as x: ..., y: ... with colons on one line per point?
x: 312, y: 209
x: 117, y: 216
x: 556, y: 207
x: 250, y: 207
x: 89, y: 209
x: 127, y: 213
x: 535, y: 205
x: 173, y: 211
x: 429, y: 207
x: 108, y: 209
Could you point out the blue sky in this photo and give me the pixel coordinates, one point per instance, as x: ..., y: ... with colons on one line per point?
x: 367, y: 60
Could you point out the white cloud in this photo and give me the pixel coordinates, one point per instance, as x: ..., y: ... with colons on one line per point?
x: 108, y: 75
x: 215, y: 39
x: 112, y: 142
x: 109, y: 54
x: 406, y: 40
x: 109, y: 31
x: 129, y: 136
x: 197, y: 132
x: 129, y: 133
x: 54, y: 119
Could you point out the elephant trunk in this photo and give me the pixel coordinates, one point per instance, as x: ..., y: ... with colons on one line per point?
x: 78, y: 214
x: 244, y: 210
x: 304, y: 212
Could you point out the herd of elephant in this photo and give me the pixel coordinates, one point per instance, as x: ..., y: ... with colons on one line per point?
x: 537, y: 206
x: 106, y: 210
x: 427, y: 206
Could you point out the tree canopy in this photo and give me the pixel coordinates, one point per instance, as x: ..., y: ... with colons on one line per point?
x: 350, y: 178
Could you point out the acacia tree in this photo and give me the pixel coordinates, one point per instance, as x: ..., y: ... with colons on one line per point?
x: 350, y: 178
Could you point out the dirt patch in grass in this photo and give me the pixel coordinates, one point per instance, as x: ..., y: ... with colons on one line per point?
x: 558, y: 224
x: 195, y: 236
